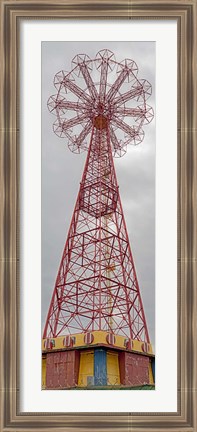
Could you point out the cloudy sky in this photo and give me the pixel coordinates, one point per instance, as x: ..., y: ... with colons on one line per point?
x: 62, y: 171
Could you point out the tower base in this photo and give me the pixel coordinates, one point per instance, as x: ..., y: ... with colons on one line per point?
x: 96, y: 365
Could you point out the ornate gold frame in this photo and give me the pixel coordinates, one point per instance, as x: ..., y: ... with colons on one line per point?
x: 12, y: 12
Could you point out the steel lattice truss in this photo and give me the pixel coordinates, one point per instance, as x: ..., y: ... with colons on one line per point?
x: 96, y: 286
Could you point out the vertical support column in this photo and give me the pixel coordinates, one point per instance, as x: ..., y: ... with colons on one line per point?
x: 100, y: 367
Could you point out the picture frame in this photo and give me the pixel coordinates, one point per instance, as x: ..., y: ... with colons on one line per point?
x: 12, y: 14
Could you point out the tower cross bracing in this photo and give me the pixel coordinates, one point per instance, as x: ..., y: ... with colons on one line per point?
x: 100, y: 106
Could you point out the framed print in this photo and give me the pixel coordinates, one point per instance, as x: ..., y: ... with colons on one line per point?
x: 35, y: 38
x: 103, y: 313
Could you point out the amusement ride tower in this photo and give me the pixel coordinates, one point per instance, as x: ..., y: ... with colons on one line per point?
x: 96, y: 313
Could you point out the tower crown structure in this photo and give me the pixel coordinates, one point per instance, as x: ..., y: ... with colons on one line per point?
x: 100, y: 106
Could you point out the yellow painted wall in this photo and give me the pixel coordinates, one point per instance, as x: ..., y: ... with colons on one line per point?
x: 151, y: 380
x: 113, y: 373
x: 44, y: 372
x: 99, y: 338
x: 86, y: 367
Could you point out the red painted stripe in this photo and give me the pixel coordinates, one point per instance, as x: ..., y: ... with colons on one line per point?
x: 88, y: 338
x: 145, y: 347
x: 67, y: 342
x: 110, y: 339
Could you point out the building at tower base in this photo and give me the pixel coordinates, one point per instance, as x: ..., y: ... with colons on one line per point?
x: 96, y: 360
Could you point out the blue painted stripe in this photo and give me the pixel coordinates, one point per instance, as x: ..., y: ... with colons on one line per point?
x: 100, y: 367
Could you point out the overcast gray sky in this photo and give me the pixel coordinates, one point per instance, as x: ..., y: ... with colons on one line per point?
x: 62, y: 171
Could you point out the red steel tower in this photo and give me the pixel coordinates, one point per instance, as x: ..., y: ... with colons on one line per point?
x: 96, y: 287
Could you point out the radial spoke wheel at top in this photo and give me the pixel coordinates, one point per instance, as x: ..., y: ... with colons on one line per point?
x: 101, y: 92
x: 100, y: 106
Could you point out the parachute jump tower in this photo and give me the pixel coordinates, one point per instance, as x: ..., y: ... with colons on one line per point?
x: 96, y: 333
